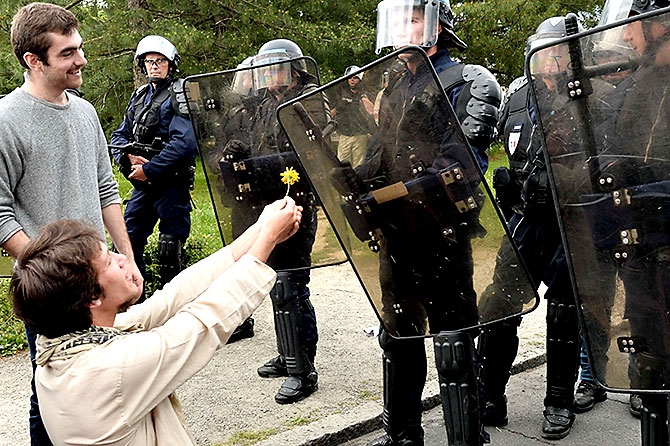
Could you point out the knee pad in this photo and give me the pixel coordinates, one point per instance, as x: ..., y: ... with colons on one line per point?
x: 170, y: 256
x: 289, y: 325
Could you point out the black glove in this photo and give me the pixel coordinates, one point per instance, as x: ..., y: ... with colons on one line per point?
x: 235, y: 150
x: 346, y: 181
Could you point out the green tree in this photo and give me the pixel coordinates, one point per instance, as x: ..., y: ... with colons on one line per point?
x: 213, y: 35
x: 496, y: 30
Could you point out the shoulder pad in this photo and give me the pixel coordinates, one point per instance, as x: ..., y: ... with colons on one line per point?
x: 516, y: 85
x: 484, y: 85
x: 141, y: 90
x: 178, y: 97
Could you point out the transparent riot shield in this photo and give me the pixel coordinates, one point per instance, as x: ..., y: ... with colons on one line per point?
x: 245, y: 154
x: 416, y: 218
x: 602, y: 102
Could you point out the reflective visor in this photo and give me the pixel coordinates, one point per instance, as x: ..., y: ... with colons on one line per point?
x: 615, y: 10
x: 407, y: 22
x: 273, y: 72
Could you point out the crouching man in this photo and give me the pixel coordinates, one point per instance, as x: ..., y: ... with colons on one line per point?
x: 108, y: 377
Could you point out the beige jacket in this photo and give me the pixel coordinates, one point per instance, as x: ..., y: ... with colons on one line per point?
x: 120, y: 393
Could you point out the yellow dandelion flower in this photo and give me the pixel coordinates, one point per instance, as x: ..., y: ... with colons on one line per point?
x: 289, y: 177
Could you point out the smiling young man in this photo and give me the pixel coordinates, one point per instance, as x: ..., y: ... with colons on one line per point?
x: 53, y: 154
x: 71, y: 289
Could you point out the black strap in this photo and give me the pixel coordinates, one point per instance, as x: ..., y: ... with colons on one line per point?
x: 452, y: 77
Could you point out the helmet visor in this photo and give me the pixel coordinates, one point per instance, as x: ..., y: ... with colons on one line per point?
x: 615, y: 10
x: 407, y: 22
x: 551, y: 61
x: 243, y: 82
x: 274, y: 72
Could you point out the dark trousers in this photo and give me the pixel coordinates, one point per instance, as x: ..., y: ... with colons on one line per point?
x: 169, y: 206
x: 38, y: 433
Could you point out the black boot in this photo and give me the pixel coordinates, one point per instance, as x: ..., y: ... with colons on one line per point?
x: 496, y: 412
x: 274, y: 368
x: 635, y: 405
x: 243, y: 331
x: 557, y: 423
x: 413, y: 436
x: 587, y: 395
x: 297, y: 388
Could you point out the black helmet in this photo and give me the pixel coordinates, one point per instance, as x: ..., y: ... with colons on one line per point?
x: 615, y: 10
x: 394, y: 23
x: 276, y: 58
x: 548, y: 31
x: 447, y: 22
x: 642, y: 6
x: 156, y: 44
x: 554, y: 60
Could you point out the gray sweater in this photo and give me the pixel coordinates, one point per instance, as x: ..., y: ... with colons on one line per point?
x: 53, y: 164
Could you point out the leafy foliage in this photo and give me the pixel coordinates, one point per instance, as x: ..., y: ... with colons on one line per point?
x: 214, y: 35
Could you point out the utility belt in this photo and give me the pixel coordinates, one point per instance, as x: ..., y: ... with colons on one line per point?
x: 258, y: 180
x: 431, y: 205
x: 630, y: 221
x: 148, y: 151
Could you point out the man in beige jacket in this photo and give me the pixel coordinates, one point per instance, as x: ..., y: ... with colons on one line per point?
x: 108, y: 377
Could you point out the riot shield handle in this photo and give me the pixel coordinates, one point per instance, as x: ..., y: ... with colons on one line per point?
x: 579, y: 88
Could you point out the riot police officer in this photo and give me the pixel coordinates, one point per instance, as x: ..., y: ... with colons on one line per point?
x: 156, y: 148
x: 441, y: 272
x: 639, y: 133
x: 280, y: 74
x: 526, y: 198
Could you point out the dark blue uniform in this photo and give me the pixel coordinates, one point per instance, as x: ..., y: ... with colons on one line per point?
x: 535, y: 232
x: 164, y: 198
x: 439, y: 280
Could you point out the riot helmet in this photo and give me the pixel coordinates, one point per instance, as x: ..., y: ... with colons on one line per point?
x: 553, y: 61
x: 243, y: 81
x: 448, y: 36
x: 351, y: 69
x: 615, y: 10
x: 416, y: 22
x: 160, y: 45
x: 407, y: 22
x: 274, y: 64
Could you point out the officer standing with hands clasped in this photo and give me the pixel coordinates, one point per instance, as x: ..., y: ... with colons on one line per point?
x: 156, y: 148
x: 475, y: 96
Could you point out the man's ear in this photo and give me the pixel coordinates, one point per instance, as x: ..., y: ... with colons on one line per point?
x: 32, y: 60
x: 95, y: 303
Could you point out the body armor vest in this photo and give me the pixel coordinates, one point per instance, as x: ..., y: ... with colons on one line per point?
x: 146, y: 118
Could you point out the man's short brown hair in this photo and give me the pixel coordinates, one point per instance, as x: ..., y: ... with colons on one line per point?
x: 54, y: 280
x: 32, y: 24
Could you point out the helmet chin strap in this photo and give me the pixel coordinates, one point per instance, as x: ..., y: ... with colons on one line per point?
x: 158, y: 81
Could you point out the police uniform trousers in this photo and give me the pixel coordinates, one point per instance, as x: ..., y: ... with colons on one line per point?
x: 541, y: 248
x: 169, y: 206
